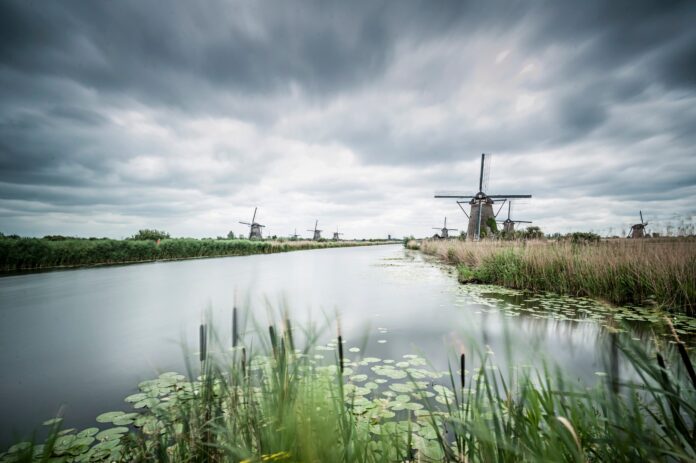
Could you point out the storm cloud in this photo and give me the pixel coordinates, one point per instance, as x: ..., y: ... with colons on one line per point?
x: 183, y: 116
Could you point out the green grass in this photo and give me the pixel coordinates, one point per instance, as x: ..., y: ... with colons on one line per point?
x: 18, y: 254
x: 281, y: 405
x: 648, y: 271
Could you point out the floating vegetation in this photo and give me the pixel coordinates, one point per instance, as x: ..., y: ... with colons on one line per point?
x: 291, y: 407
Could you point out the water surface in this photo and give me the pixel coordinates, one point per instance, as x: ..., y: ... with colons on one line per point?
x: 83, y: 339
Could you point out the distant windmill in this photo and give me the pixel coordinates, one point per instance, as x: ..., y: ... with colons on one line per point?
x: 254, y: 227
x: 638, y: 230
x: 481, y: 211
x: 336, y: 235
x: 294, y: 236
x: 509, y: 224
x: 444, y: 230
x: 317, y: 232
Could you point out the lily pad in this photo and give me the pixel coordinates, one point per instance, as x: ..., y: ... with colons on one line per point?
x: 108, y: 417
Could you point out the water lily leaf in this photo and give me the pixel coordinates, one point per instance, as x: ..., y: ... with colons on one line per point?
x: 401, y: 387
x: 358, y: 378
x: 112, y: 433
x: 108, y: 417
x: 88, y: 432
x: 136, y: 397
x: 354, y: 349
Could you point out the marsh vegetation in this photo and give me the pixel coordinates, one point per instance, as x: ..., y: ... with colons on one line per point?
x: 18, y: 254
x: 649, y: 271
x: 284, y: 403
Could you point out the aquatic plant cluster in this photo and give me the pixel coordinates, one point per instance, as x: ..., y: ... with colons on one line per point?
x: 648, y: 271
x: 34, y: 253
x: 287, y: 404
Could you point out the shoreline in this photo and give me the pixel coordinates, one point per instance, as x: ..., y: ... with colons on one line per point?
x: 641, y: 272
x: 263, y: 247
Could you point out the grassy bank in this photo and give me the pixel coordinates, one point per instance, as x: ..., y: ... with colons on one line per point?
x: 17, y: 254
x: 661, y: 271
x: 282, y: 405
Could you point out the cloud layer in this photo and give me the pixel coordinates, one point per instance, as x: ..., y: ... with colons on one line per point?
x: 117, y: 116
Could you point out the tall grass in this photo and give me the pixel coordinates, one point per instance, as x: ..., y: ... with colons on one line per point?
x: 661, y: 271
x: 281, y: 406
x: 33, y: 253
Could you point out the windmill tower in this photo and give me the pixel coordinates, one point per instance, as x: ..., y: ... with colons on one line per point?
x: 481, y: 211
x: 336, y: 235
x: 294, y: 236
x: 317, y: 232
x: 509, y: 224
x: 638, y: 230
x: 444, y: 230
x: 254, y: 227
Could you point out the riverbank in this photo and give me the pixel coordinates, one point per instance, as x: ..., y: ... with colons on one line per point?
x: 26, y: 254
x: 648, y: 271
x: 284, y: 405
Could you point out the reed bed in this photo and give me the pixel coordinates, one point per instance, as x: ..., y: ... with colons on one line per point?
x: 659, y: 271
x: 281, y: 405
x: 32, y: 253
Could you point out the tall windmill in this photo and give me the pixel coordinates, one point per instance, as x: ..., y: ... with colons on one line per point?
x: 317, y: 232
x: 294, y: 236
x: 481, y: 211
x: 254, y: 227
x: 638, y: 230
x: 336, y: 235
x: 509, y: 224
x: 444, y: 231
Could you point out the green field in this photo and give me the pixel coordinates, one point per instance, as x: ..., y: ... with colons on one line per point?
x: 18, y: 254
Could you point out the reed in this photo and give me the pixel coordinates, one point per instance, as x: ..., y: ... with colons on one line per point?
x: 622, y: 271
x: 282, y: 406
x: 17, y: 254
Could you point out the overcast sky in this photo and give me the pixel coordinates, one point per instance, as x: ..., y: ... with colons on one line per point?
x: 183, y: 116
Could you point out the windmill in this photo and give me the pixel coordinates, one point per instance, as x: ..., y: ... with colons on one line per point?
x: 294, y: 236
x: 481, y: 212
x: 336, y: 235
x: 254, y: 227
x: 509, y: 224
x: 317, y: 232
x: 638, y: 230
x: 444, y: 230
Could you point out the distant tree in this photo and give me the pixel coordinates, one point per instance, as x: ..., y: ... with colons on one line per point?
x: 152, y: 235
x: 532, y: 233
x: 230, y: 235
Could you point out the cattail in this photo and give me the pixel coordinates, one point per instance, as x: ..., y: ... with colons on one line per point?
x: 340, y: 352
x: 203, y: 342
x: 462, y: 365
x: 244, y: 360
x: 234, y: 327
x: 274, y: 343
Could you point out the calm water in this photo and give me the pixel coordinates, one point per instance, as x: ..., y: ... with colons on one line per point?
x: 83, y: 339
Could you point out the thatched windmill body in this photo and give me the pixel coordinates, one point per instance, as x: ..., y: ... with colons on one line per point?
x: 509, y: 224
x: 638, y: 230
x: 481, y: 211
x: 444, y: 231
x: 254, y: 227
x: 317, y: 232
x: 336, y: 235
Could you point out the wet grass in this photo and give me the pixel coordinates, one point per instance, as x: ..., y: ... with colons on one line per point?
x: 19, y: 254
x: 287, y: 404
x: 649, y: 271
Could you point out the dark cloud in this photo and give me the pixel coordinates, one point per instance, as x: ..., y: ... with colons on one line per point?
x: 141, y: 111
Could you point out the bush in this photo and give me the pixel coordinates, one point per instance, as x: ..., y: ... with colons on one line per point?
x: 152, y: 235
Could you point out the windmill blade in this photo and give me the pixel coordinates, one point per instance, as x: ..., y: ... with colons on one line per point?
x: 245, y: 223
x: 508, y: 196
x: 453, y: 194
x: 459, y: 203
x: 316, y: 224
x: 261, y: 225
x: 641, y: 216
x: 487, y: 172
x: 483, y: 161
x: 523, y: 221
x: 254, y: 217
